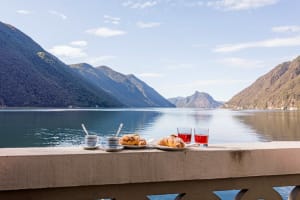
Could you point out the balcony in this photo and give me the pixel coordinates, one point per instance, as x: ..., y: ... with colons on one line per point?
x: 195, y: 174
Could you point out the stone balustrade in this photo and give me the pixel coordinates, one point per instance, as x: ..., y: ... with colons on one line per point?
x: 195, y: 174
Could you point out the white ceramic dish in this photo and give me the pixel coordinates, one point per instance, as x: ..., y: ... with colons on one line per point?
x: 169, y: 148
x: 119, y: 148
x: 90, y: 147
x: 134, y: 146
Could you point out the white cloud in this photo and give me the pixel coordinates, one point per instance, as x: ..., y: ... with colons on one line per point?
x: 112, y: 20
x: 24, y: 12
x: 80, y: 43
x: 150, y: 75
x: 61, y: 15
x: 99, y: 60
x: 241, y: 62
x: 275, y: 42
x: 148, y: 24
x: 105, y: 32
x: 240, y: 4
x: 66, y: 51
x: 139, y: 4
x: 286, y: 29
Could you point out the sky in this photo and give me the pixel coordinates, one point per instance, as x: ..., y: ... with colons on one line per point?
x: 176, y: 46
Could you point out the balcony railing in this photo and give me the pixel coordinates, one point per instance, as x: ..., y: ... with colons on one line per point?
x: 195, y: 174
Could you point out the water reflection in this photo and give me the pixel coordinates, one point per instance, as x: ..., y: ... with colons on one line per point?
x: 223, y: 128
x: 201, y: 117
x: 62, y: 128
x: 273, y: 125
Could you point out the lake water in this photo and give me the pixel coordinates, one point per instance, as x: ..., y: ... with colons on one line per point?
x: 62, y: 127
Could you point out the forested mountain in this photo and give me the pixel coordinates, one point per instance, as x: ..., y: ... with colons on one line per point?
x: 278, y: 89
x: 128, y: 89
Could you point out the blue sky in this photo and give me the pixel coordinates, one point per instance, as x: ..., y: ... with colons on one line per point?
x: 176, y: 46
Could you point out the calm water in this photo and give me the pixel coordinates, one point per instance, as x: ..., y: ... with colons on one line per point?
x: 58, y: 127
x: 61, y: 127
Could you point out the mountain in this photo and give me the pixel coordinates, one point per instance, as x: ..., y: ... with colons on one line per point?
x: 278, y: 89
x: 128, y: 89
x: 30, y: 76
x: 197, y: 100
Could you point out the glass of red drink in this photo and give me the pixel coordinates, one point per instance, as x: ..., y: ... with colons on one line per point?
x: 185, y: 134
x: 201, y: 136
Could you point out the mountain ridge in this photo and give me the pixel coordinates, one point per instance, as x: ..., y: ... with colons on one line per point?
x: 277, y: 89
x: 130, y: 90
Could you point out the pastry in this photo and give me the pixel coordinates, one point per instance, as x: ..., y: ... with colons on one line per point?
x: 132, y: 139
x: 172, y: 141
x: 142, y: 142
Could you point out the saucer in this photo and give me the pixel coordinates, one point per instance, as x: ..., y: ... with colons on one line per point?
x: 116, y: 149
x: 90, y: 147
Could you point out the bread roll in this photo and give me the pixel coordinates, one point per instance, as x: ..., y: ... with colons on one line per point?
x: 132, y: 139
x: 142, y: 142
x: 172, y: 141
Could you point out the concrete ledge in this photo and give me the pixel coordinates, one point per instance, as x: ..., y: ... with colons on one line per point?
x: 33, y: 168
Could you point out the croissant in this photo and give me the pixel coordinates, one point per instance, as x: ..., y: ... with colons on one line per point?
x: 172, y: 141
x: 142, y: 142
x: 132, y: 139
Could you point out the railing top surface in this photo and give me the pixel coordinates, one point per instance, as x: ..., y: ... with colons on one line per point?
x: 44, y: 151
x: 24, y: 168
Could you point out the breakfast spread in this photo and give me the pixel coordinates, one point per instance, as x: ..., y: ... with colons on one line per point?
x: 132, y: 139
x: 172, y: 141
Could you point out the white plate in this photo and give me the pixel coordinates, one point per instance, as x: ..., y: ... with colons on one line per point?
x: 90, y: 148
x: 134, y: 146
x: 169, y: 148
x: 119, y: 148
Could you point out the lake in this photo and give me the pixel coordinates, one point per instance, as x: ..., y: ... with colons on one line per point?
x: 62, y: 127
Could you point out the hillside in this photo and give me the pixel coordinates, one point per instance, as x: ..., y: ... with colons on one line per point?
x: 197, y: 100
x: 30, y: 76
x: 278, y: 89
x: 128, y: 89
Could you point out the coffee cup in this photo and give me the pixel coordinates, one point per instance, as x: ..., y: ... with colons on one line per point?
x: 91, y: 140
x: 112, y: 142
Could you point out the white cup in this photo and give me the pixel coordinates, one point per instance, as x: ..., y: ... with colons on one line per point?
x: 112, y: 142
x: 91, y: 140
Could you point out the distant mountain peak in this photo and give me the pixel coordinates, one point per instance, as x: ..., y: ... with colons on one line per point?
x: 201, y: 93
x: 197, y: 100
